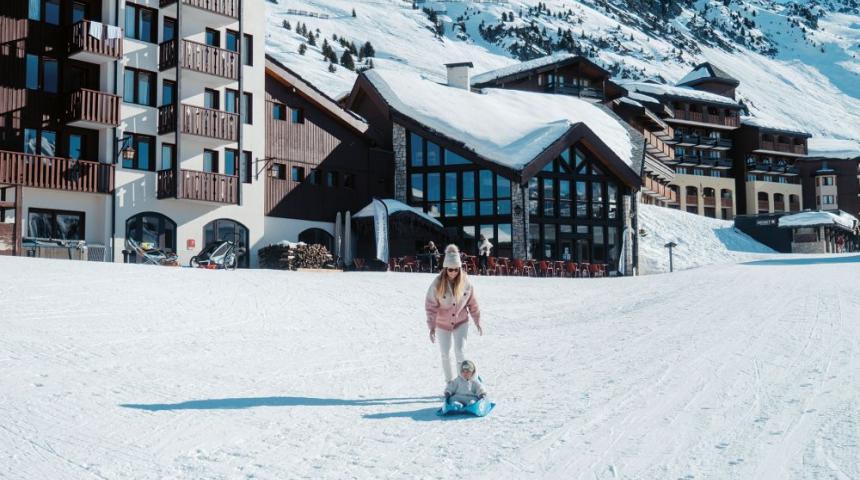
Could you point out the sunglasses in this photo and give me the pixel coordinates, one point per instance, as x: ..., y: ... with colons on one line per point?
x: 452, y: 270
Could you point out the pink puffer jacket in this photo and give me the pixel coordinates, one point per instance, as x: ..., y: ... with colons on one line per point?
x: 447, y: 314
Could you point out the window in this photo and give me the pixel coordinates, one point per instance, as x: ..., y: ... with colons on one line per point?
x: 34, y: 10
x: 279, y: 111
x: 331, y: 179
x: 467, y: 194
x: 247, y: 113
x: 138, y: 87
x: 40, y: 142
x: 231, y: 161
x: 298, y: 115
x: 231, y: 100
x: 144, y: 152
x: 349, y: 180
x: 248, y: 50
x: 141, y: 23
x: 169, y: 31
x: 229, y: 230
x: 452, y: 158
x: 232, y: 41
x: 485, y: 192
x: 211, y: 99
x: 715, y: 173
x: 699, y: 171
x: 210, y: 161
x: 168, y: 156
x: 548, y: 197
x: 451, y: 209
x: 75, y: 146
x: 47, y: 10
x: 297, y: 174
x: 213, y: 37
x: 248, y: 167
x: 417, y: 190
x: 503, y: 195
x: 416, y: 145
x: 828, y: 200
x: 55, y: 224
x: 315, y: 177
x: 433, y: 154
x: 279, y: 171
x: 168, y: 92
x: 42, y: 73
x: 152, y: 230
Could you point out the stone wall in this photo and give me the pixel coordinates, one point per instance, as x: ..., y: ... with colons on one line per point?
x: 400, y: 159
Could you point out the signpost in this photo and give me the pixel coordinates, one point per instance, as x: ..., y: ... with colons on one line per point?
x: 670, y: 245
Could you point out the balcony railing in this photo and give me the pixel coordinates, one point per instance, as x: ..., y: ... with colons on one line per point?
x: 201, y: 186
x: 701, y: 117
x: 692, y: 199
x: 199, y: 57
x: 778, y: 206
x: 80, y: 40
x: 658, y: 147
x: 229, y: 8
x: 658, y: 189
x: 783, y: 147
x: 166, y: 119
x: 55, y: 173
x: 725, y: 202
x: 207, y: 122
x: 763, y: 206
x: 588, y: 92
x: 709, y: 201
x: 92, y: 106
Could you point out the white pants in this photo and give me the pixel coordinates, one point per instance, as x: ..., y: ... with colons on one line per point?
x: 459, y: 338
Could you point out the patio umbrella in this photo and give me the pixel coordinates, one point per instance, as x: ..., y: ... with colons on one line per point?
x: 338, y: 239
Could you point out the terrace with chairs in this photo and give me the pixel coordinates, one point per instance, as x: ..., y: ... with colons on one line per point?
x: 499, y: 266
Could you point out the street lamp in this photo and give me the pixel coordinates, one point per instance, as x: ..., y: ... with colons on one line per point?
x: 126, y: 151
x: 670, y: 245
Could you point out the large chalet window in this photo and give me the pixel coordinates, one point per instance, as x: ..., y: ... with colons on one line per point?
x: 470, y: 199
x: 574, y: 210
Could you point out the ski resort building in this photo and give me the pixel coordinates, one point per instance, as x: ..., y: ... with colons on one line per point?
x: 766, y: 173
x: 541, y: 176
x: 132, y: 120
x: 831, y: 184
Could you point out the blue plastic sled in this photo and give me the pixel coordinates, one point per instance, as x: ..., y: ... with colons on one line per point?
x: 480, y: 408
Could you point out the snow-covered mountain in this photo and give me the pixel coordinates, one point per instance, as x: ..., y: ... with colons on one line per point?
x: 797, y: 60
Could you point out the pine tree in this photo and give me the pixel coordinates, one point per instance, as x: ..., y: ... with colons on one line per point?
x: 332, y: 56
x: 332, y: 68
x: 367, y: 50
x: 326, y: 48
x: 312, y: 41
x: 302, y: 49
x: 347, y: 61
x: 287, y: 25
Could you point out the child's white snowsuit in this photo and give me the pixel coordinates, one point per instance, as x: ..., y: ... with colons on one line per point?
x: 464, y: 391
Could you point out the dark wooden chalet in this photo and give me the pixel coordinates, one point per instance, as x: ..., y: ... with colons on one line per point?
x: 830, y: 183
x: 53, y: 107
x: 710, y: 78
x: 320, y: 160
x: 564, y: 73
x: 572, y: 201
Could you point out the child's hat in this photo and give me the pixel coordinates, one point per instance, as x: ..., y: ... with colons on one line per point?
x: 467, y: 366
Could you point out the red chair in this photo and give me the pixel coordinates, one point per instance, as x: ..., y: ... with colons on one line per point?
x: 471, y: 265
x: 503, y: 266
x: 584, y: 269
x: 492, y: 266
x: 392, y: 265
x: 572, y: 269
x: 521, y: 268
x: 410, y: 263
x: 545, y: 268
x: 595, y: 270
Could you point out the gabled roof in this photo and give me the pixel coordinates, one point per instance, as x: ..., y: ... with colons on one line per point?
x: 537, y: 65
x: 708, y: 72
x: 818, y: 218
x: 285, y: 75
x: 509, y: 128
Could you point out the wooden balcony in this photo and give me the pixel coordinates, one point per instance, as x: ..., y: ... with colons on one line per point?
x: 92, y: 109
x: 55, y: 173
x: 166, y: 119
x: 206, y: 122
x: 706, y: 118
x: 576, y: 91
x: 200, y: 58
x: 200, y: 186
x: 658, y: 190
x: 657, y: 147
x: 228, y: 8
x: 87, y: 48
x: 783, y: 147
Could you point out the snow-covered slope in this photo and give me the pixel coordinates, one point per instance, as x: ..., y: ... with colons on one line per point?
x: 124, y: 371
x: 796, y: 60
x: 701, y: 241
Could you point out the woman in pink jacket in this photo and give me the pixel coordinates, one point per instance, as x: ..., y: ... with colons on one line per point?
x: 449, y: 302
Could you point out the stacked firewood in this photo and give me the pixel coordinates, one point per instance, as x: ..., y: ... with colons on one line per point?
x: 286, y: 256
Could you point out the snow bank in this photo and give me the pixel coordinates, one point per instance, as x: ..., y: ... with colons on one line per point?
x: 508, y: 127
x: 701, y: 241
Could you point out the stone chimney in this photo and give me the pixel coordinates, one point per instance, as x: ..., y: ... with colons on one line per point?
x: 458, y: 75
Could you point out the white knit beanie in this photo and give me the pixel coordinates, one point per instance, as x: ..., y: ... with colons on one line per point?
x: 452, y: 257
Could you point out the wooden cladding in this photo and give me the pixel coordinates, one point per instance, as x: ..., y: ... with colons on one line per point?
x: 86, y: 105
x: 701, y: 117
x: 207, y: 122
x: 55, y: 173
x: 201, y: 186
x: 199, y: 58
x: 80, y: 40
x: 312, y: 141
x: 658, y: 147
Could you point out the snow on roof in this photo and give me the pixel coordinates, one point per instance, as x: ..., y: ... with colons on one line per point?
x: 642, y: 98
x: 771, y: 124
x: 683, y: 92
x: 395, y: 206
x: 507, y: 127
x: 833, y: 148
x: 706, y: 70
x: 521, y: 67
x: 695, y: 74
x: 811, y: 219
